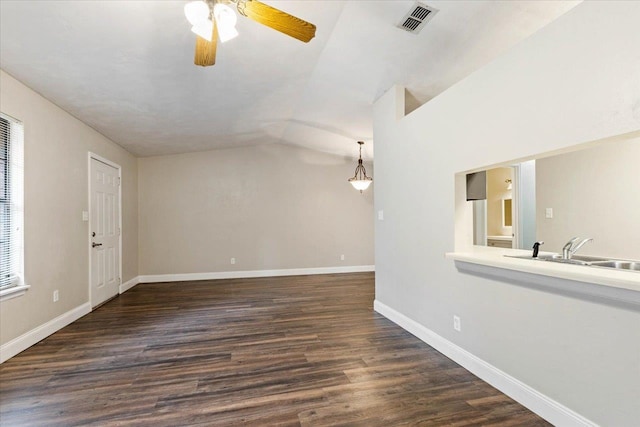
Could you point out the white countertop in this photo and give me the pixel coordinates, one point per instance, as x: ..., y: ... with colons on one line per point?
x: 495, y: 257
x: 506, y: 238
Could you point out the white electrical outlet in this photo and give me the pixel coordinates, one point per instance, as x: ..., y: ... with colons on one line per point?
x: 85, y: 216
x: 548, y: 213
x: 56, y: 296
x: 233, y: 260
x: 380, y: 215
x: 342, y: 257
x: 456, y: 323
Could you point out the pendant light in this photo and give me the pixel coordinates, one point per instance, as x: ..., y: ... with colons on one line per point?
x: 360, y: 180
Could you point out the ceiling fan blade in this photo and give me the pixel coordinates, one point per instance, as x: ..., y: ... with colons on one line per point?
x: 277, y: 19
x: 206, y: 50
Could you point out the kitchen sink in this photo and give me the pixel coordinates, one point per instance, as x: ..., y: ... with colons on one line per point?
x: 588, y: 258
x: 620, y: 265
x: 587, y: 261
x: 575, y: 261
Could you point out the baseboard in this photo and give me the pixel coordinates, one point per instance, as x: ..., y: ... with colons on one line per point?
x: 185, y: 277
x: 537, y: 402
x: 39, y: 333
x: 129, y: 284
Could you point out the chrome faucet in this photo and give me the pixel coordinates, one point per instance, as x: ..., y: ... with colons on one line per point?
x: 571, y: 247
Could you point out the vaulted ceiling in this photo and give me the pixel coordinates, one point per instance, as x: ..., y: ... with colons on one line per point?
x: 126, y: 67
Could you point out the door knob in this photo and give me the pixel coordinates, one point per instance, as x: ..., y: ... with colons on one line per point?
x: 94, y: 244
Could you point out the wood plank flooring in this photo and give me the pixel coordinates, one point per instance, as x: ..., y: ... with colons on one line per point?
x: 287, y: 351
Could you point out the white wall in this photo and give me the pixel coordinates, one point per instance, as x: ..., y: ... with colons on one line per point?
x: 594, y: 192
x: 574, y: 81
x: 56, y: 193
x: 270, y: 207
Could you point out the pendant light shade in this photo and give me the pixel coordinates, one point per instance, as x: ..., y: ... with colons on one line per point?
x: 226, y: 20
x: 360, y: 180
x: 204, y: 29
x: 196, y: 12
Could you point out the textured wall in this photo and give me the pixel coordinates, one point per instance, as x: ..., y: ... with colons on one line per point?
x: 269, y: 207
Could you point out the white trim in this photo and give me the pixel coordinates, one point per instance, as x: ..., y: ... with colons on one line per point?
x: 185, y: 277
x: 537, y: 402
x: 39, y: 333
x: 103, y: 160
x: 516, y: 231
x: 13, y: 292
x: 99, y: 158
x: 129, y: 284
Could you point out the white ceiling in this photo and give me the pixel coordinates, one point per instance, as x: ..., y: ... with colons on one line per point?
x: 126, y: 67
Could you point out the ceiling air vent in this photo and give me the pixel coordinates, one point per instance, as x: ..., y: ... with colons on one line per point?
x: 417, y: 18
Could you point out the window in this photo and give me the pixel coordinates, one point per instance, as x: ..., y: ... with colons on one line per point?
x: 11, y: 206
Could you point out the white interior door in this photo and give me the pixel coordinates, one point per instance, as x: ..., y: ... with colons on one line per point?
x: 104, y: 212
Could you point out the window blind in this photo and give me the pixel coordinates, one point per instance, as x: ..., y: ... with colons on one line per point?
x: 11, y: 201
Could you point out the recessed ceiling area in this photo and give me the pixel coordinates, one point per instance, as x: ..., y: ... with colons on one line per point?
x: 126, y: 67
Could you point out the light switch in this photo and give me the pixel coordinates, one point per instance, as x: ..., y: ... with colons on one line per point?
x: 85, y: 216
x: 548, y: 213
x: 381, y: 215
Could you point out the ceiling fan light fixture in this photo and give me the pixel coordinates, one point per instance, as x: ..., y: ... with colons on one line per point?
x: 214, y: 20
x: 196, y: 12
x: 226, y: 20
x: 360, y: 180
x: 204, y: 29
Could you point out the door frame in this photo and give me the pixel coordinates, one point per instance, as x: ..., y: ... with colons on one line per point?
x: 94, y: 156
x: 516, y: 207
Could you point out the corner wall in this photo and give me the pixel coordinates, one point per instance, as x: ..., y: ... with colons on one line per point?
x: 272, y: 207
x: 570, y: 83
x: 56, y: 193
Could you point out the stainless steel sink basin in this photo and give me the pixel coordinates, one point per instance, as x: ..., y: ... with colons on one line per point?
x: 569, y: 261
x: 589, y: 258
x: 620, y: 265
x: 588, y: 261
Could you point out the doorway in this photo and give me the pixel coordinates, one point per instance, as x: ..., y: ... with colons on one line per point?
x: 104, y: 229
x: 504, y: 215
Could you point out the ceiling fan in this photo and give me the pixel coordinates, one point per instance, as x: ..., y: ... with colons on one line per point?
x: 215, y: 19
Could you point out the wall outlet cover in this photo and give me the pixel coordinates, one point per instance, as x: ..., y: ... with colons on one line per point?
x: 456, y: 323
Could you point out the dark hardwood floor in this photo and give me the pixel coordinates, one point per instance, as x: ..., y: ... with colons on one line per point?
x: 305, y: 350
